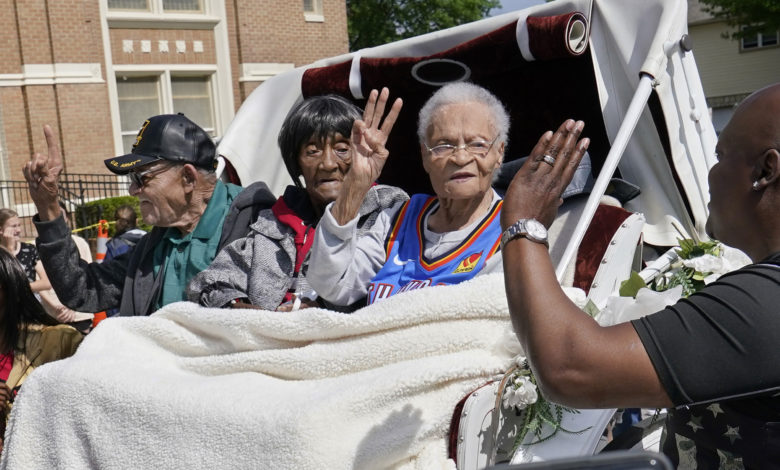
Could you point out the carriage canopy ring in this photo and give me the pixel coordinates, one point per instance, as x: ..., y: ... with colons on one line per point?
x: 550, y: 160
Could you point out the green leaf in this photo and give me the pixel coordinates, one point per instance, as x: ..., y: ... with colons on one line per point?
x: 591, y: 309
x: 631, y: 286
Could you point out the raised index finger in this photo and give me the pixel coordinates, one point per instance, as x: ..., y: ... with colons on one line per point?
x: 55, y: 158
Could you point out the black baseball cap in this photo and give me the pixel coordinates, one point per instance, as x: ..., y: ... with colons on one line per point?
x: 171, y: 137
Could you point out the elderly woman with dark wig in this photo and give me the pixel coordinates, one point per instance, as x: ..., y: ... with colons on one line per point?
x: 268, y: 267
x: 430, y: 240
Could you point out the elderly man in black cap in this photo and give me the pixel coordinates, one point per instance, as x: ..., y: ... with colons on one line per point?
x: 171, y: 169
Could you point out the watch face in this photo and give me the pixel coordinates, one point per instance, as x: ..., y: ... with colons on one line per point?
x: 536, y: 229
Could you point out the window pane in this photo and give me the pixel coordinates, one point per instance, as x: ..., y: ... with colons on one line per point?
x: 750, y: 42
x: 139, y: 99
x: 308, y: 6
x: 182, y: 5
x: 192, y: 96
x: 768, y: 38
x: 128, y: 5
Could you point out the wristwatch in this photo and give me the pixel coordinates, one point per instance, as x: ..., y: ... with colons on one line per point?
x: 531, y: 229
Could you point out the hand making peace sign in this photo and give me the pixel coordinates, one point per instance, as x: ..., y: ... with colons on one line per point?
x: 368, y: 153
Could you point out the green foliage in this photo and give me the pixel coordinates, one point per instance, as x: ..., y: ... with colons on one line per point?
x: 754, y: 15
x: 536, y: 415
x: 375, y: 22
x: 631, y: 286
x: 93, y: 211
x: 691, y: 249
x: 690, y: 279
x: 591, y: 309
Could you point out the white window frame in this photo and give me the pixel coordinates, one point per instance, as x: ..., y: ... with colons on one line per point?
x: 214, y: 19
x: 759, y: 42
x: 156, y: 8
x: 156, y: 17
x: 164, y: 74
x: 315, y: 15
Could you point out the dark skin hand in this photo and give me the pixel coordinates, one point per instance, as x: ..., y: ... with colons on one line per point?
x: 576, y: 361
x: 368, y: 153
x: 42, y: 173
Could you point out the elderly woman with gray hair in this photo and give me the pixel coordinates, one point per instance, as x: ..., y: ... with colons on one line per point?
x: 447, y: 238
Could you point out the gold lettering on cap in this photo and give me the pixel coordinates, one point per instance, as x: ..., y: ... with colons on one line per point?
x: 140, y: 134
x: 125, y: 165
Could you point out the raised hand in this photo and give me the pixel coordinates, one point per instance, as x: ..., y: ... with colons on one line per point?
x: 42, y: 173
x: 535, y: 191
x: 368, y: 153
x: 8, y: 239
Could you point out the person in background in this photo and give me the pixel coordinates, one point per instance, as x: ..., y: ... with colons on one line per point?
x: 447, y: 238
x: 28, y: 336
x: 268, y: 267
x: 126, y: 235
x: 711, y: 357
x: 25, y: 253
x: 172, y: 172
x: 82, y: 321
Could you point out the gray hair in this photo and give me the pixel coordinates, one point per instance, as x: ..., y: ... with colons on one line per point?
x: 464, y: 92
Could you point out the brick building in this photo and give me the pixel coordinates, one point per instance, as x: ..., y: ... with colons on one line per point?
x: 95, y: 69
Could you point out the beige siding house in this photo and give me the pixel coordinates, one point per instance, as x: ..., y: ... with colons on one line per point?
x: 730, y: 69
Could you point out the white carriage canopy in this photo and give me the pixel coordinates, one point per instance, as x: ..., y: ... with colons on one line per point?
x: 536, y: 62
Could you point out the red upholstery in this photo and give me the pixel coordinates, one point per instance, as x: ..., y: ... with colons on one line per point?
x: 605, y: 223
x: 539, y: 96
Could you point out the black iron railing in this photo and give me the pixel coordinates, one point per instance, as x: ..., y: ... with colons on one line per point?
x: 76, y: 189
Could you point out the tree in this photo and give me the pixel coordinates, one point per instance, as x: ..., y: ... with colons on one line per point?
x: 376, y: 22
x: 747, y: 16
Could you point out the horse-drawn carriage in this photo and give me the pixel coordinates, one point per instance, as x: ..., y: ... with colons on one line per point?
x: 623, y: 67
x: 194, y: 387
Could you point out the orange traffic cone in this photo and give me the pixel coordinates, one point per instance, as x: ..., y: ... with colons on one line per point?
x: 102, y: 241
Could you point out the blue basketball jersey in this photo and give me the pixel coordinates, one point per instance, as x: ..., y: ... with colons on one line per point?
x: 407, y: 268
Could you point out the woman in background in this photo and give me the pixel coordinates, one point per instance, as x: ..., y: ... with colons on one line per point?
x: 25, y: 253
x: 29, y: 337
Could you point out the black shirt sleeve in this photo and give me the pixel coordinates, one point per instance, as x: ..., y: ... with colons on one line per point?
x: 721, y: 342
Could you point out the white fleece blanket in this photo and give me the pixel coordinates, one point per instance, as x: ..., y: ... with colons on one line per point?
x: 191, y: 387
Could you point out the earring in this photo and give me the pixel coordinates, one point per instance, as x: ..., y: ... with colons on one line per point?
x: 755, y: 185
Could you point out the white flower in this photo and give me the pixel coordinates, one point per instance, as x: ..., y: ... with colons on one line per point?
x: 623, y: 309
x: 730, y: 259
x: 520, y: 393
x: 705, y: 263
x: 520, y: 360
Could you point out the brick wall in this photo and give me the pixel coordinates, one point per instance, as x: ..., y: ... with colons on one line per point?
x: 46, y: 32
x: 277, y: 32
x: 40, y: 32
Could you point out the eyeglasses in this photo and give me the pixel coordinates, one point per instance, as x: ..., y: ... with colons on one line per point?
x: 142, y: 178
x: 478, y: 148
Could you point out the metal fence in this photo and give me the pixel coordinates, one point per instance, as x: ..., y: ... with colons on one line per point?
x: 76, y: 189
